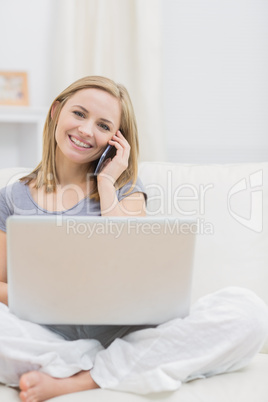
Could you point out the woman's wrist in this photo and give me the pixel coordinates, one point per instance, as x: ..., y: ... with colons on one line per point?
x: 105, y: 180
x: 108, y: 197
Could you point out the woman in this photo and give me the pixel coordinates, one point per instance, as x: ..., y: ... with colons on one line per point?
x: 46, y: 361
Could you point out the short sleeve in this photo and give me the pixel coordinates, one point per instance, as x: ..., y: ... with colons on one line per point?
x: 138, y: 188
x: 4, y: 209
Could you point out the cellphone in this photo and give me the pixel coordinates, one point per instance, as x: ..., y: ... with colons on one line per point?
x: 109, y: 152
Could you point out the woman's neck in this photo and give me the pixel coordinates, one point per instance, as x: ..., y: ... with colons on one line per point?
x: 69, y: 172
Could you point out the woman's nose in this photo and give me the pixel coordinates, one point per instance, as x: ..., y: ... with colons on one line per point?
x: 86, y: 129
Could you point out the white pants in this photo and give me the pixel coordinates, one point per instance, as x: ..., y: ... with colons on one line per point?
x: 222, y: 333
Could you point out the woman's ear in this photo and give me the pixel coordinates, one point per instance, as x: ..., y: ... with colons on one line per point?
x: 53, y: 109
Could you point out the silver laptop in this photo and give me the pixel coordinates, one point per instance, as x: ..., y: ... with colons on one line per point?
x: 97, y: 270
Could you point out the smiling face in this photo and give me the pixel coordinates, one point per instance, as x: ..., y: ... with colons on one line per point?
x: 86, y: 123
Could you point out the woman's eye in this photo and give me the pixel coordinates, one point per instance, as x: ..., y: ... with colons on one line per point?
x: 78, y: 113
x: 104, y: 126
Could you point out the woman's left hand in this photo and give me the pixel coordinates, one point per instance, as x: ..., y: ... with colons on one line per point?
x: 113, y: 168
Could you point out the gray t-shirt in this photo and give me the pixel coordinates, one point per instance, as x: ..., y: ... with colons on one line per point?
x: 16, y: 199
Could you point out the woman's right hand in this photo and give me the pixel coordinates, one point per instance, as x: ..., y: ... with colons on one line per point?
x: 115, y: 167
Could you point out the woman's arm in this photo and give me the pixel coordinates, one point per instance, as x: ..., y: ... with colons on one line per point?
x: 3, y: 268
x: 132, y: 205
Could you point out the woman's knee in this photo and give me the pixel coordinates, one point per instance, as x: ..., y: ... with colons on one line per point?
x: 239, y: 305
x: 255, y: 312
x: 246, y: 301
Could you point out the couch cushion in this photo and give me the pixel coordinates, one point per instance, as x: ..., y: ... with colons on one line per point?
x: 8, y: 394
x: 230, y: 203
x: 247, y: 385
x: 10, y: 175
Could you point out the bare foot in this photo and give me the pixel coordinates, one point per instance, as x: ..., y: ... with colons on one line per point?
x: 36, y: 386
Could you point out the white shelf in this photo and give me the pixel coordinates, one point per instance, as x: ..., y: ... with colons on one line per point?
x: 21, y: 114
x: 21, y: 130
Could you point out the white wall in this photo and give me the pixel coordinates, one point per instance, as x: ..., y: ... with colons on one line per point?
x: 25, y: 45
x: 216, y: 82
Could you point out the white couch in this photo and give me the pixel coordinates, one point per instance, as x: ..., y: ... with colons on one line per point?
x: 230, y: 203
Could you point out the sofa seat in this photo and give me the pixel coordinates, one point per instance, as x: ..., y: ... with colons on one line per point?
x: 247, y: 385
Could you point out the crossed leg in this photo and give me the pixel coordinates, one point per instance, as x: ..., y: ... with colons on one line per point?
x: 222, y: 333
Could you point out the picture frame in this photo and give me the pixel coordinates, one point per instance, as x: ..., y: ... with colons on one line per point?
x: 14, y: 88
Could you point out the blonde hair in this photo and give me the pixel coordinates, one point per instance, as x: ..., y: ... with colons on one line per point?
x: 45, y: 173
